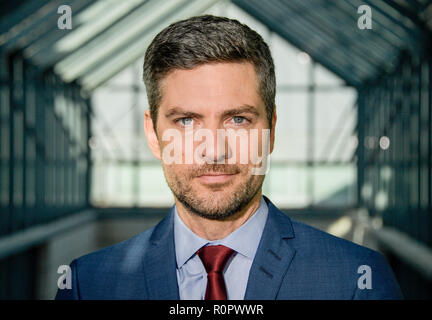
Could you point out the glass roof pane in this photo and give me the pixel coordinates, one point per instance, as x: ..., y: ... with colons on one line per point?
x: 334, y: 185
x: 116, y: 62
x: 126, y: 78
x: 325, y: 77
x: 291, y: 129
x: 40, y: 50
x: 95, y: 19
x: 290, y: 68
x: 334, y: 123
x: 384, y: 15
x: 124, y: 34
x: 126, y: 30
x: 28, y: 26
x: 235, y: 12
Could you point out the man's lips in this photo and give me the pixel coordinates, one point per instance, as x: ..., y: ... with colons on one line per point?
x: 213, y: 177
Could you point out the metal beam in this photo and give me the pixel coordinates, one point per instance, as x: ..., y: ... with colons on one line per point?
x: 23, y: 13
x: 410, y: 15
x: 58, y: 45
x: 260, y: 13
x: 33, y: 236
x: 40, y: 50
x: 118, y: 60
x: 30, y: 23
x: 318, y: 20
x: 125, y: 33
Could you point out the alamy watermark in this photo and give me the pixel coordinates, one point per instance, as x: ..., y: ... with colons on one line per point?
x: 365, y: 20
x: 225, y: 148
x: 65, y: 20
x: 65, y: 280
x: 365, y: 280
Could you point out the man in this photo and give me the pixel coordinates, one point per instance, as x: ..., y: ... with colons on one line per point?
x: 205, y: 77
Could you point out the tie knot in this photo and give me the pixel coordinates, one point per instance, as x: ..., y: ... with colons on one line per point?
x: 215, y: 258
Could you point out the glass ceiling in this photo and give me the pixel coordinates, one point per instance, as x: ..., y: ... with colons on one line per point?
x: 328, y: 32
x: 109, y: 35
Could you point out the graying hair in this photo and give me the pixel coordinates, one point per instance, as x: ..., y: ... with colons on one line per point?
x: 207, y: 39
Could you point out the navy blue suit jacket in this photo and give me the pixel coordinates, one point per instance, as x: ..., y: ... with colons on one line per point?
x: 293, y: 261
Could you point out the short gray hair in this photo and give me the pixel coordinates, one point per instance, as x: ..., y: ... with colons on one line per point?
x: 207, y: 39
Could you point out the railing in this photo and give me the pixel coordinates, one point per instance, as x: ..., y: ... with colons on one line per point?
x: 28, y: 238
x: 409, y: 250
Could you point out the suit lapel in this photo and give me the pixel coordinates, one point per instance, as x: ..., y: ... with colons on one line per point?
x: 273, y: 257
x: 160, y: 263
x: 271, y: 262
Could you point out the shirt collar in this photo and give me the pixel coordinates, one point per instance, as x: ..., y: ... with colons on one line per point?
x: 244, y: 240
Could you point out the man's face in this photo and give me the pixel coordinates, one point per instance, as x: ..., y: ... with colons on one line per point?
x: 211, y: 98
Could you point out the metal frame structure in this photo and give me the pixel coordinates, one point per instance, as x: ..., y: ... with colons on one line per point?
x: 45, y: 129
x: 44, y: 151
x: 45, y: 105
x: 398, y: 106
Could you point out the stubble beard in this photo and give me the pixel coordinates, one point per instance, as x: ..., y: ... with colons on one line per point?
x: 215, y: 204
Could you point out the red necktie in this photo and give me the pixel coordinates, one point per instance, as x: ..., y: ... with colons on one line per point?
x: 214, y: 259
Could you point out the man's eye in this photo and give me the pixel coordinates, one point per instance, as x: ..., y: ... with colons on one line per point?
x: 239, y: 120
x: 187, y: 121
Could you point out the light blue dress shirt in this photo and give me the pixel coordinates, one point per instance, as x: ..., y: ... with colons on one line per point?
x: 191, y: 274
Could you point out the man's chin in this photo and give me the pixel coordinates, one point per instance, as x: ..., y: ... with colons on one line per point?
x: 215, y: 216
x: 217, y: 206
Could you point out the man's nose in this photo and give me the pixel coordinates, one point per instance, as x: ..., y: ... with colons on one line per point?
x: 215, y: 150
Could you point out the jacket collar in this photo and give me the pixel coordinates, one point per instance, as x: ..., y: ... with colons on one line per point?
x: 160, y: 263
x: 270, y: 264
x: 273, y: 257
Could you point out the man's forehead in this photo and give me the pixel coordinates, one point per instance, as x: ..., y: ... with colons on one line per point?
x: 243, y: 66
x: 214, y: 76
x: 221, y: 85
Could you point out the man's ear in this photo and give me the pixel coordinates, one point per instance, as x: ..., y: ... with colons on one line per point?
x: 272, y: 132
x: 151, y: 136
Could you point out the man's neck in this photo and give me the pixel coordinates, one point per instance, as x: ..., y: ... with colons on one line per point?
x: 216, y: 229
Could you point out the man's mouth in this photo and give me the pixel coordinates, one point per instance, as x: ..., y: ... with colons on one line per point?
x: 216, y: 177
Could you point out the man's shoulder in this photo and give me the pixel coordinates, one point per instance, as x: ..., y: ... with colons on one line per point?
x: 337, y: 265
x: 318, y: 246
x: 128, y: 253
x: 114, y: 272
x: 313, y: 240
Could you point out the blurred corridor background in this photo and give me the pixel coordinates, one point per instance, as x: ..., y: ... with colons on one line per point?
x: 353, y: 139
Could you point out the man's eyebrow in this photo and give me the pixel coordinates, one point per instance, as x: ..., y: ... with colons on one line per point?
x: 175, y: 111
x: 242, y: 109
